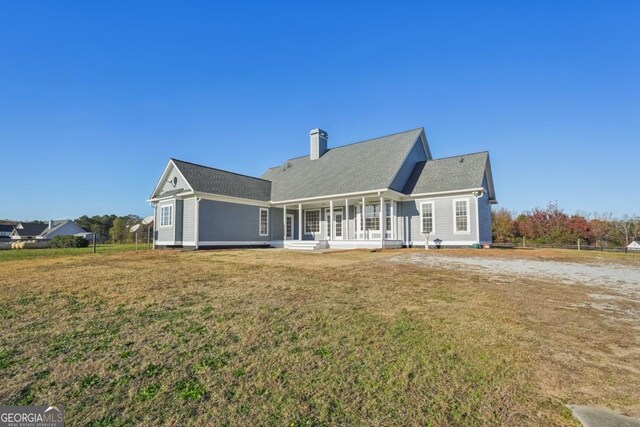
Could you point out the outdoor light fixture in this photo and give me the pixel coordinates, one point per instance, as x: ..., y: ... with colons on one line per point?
x: 438, y: 243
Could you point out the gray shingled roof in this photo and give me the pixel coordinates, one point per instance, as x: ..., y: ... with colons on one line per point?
x: 449, y: 174
x: 363, y: 166
x: 216, y: 181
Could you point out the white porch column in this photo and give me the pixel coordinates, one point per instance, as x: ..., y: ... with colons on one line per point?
x: 363, y: 222
x: 393, y: 220
x: 346, y: 215
x: 284, y: 222
x: 330, y: 222
x: 300, y: 221
x: 383, y: 219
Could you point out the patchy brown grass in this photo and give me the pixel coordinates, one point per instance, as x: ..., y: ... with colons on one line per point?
x: 269, y: 337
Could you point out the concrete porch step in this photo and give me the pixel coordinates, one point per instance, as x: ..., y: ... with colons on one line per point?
x: 305, y: 245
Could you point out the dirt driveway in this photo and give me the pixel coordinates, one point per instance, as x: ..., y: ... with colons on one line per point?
x: 615, y: 285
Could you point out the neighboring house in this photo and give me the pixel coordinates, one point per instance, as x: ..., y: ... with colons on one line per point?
x: 28, y: 230
x: 6, y: 230
x: 634, y: 246
x: 34, y: 230
x: 383, y: 192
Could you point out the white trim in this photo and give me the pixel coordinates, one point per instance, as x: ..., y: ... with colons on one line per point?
x: 346, y: 214
x: 236, y: 243
x: 172, y: 205
x: 444, y: 243
x: 182, y: 195
x: 300, y: 222
x: 309, y: 233
x: 284, y: 222
x: 162, y: 178
x: 342, y: 195
x: 437, y: 193
x: 230, y: 199
x: 260, y: 233
x: 468, y: 215
x: 383, y: 219
x: 433, y: 216
x: 169, y: 242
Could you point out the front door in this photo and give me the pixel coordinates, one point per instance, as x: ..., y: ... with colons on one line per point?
x: 290, y: 227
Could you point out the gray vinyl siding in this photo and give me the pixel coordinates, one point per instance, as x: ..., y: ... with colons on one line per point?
x: 416, y: 154
x: 168, y: 184
x: 229, y: 222
x: 276, y: 223
x: 443, y: 211
x: 189, y: 221
x: 166, y: 234
x: 484, y: 216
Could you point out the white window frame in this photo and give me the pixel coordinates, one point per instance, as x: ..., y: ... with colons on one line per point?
x: 433, y: 216
x: 375, y: 217
x: 260, y: 233
x: 305, y: 221
x: 455, y: 223
x: 161, y: 222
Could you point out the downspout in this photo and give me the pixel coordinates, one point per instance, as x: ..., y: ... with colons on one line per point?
x: 197, y: 224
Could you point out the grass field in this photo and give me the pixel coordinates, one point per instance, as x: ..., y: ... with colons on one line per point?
x: 270, y: 337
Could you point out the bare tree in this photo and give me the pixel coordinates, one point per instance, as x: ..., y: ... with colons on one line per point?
x: 626, y: 226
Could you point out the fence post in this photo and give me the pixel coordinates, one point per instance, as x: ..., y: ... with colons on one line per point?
x: 94, y: 243
x: 578, y: 243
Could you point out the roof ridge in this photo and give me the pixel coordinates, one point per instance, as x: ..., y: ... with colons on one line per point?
x: 460, y: 155
x: 351, y: 143
x: 218, y: 169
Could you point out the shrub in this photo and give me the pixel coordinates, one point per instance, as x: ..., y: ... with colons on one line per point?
x: 69, y: 242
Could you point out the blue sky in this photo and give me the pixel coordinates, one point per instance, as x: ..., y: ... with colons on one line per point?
x: 96, y: 96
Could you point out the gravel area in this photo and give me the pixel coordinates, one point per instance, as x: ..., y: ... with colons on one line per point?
x: 622, y: 279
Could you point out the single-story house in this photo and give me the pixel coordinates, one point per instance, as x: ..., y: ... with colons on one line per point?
x: 43, y: 231
x: 634, y: 246
x: 383, y: 192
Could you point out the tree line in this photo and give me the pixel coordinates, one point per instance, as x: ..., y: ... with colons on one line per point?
x: 552, y: 226
x: 112, y: 228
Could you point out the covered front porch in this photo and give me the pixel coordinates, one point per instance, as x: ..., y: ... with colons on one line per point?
x: 368, y: 221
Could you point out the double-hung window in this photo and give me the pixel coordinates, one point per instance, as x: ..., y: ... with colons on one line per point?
x: 312, y: 221
x: 264, y: 222
x: 372, y: 216
x: 427, y: 215
x: 166, y: 216
x: 461, y: 216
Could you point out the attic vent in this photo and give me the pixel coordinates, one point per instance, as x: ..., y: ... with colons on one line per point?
x: 461, y: 159
x: 286, y: 166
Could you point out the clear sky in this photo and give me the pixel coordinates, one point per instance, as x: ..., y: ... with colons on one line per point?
x: 95, y: 97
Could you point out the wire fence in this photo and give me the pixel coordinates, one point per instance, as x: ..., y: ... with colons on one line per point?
x: 574, y: 247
